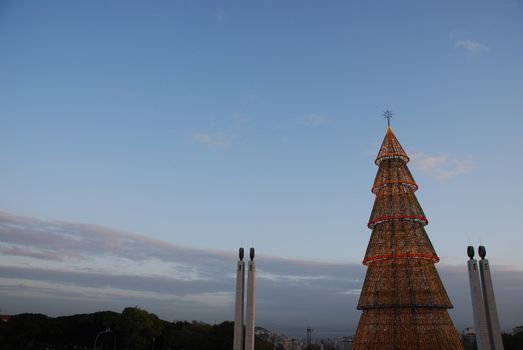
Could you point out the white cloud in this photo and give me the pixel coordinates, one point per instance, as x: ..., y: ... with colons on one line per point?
x: 183, y: 283
x: 214, y: 299
x: 275, y: 277
x: 215, y: 140
x: 472, y: 47
x: 220, y: 15
x: 351, y: 292
x: 440, y: 166
x: 427, y: 162
x: 44, y: 289
x: 313, y: 120
x: 241, y: 119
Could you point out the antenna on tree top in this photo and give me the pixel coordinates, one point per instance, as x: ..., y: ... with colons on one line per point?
x: 388, y: 115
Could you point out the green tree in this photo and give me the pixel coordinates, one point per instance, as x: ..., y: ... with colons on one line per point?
x: 138, y: 328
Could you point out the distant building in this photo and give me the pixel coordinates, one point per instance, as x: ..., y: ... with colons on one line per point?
x: 344, y: 343
x: 468, y: 338
x: 518, y: 329
x: 5, y: 318
x: 292, y: 344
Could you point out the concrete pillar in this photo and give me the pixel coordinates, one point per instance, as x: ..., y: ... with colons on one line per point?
x: 490, y: 304
x: 478, y: 307
x: 249, y: 330
x: 238, y: 343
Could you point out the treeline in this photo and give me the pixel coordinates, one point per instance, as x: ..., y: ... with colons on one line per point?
x: 513, y: 341
x: 133, y: 329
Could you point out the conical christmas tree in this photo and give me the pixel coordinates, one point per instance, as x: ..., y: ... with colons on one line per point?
x: 403, y: 302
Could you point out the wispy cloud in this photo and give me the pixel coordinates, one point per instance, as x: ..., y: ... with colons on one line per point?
x: 99, y: 267
x: 313, y: 120
x: 440, y: 166
x: 104, y: 268
x: 472, y: 47
x: 240, y: 119
x: 214, y: 140
x: 290, y: 278
x: 220, y: 15
x: 352, y: 292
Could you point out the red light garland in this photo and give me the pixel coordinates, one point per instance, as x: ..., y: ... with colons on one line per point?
x: 433, y: 257
x: 423, y: 220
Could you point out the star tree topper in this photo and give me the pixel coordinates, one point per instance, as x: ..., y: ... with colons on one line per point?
x: 388, y: 115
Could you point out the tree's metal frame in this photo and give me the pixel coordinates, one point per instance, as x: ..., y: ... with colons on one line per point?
x: 403, y: 301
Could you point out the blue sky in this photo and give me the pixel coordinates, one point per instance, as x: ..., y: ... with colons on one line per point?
x: 208, y: 124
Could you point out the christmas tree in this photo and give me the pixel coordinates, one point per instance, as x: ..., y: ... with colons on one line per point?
x: 403, y: 301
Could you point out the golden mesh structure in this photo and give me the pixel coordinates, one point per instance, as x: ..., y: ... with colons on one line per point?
x: 403, y: 302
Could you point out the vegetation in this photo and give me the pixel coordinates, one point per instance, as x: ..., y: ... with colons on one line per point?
x: 133, y: 329
x: 513, y: 341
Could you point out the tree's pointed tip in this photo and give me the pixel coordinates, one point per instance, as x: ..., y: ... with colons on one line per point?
x: 391, y: 148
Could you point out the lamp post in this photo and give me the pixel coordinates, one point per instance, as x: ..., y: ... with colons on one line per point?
x: 99, y: 334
